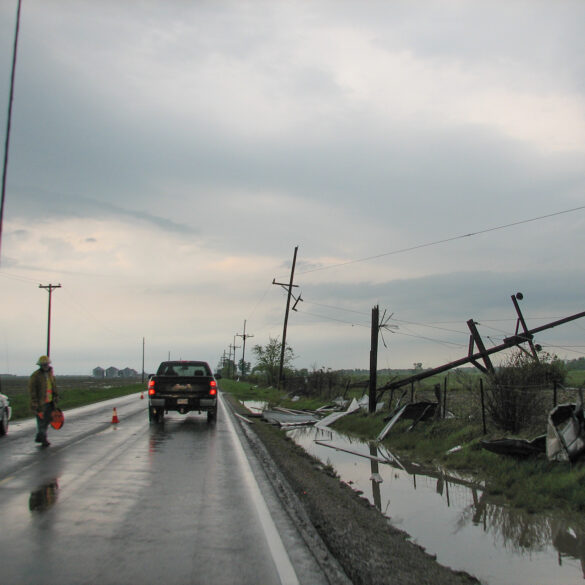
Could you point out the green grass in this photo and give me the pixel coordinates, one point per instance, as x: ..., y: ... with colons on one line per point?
x: 73, y: 391
x: 246, y: 391
x: 575, y: 378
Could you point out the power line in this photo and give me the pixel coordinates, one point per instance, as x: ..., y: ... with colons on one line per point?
x: 444, y: 241
x: 17, y: 277
x: 336, y: 320
x: 336, y: 308
x: 424, y: 338
x: 428, y: 325
x: 439, y: 341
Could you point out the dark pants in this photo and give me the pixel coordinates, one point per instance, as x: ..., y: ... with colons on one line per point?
x: 43, y: 423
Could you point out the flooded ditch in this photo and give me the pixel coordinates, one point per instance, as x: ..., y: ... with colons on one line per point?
x: 453, y: 518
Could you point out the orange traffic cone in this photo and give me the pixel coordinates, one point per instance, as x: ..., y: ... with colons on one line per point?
x: 115, y: 419
x: 142, y: 396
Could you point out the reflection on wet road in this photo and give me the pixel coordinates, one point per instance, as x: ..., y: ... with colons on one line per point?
x: 132, y: 503
x: 453, y: 518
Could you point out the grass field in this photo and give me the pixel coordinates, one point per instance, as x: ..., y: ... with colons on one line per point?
x: 73, y: 391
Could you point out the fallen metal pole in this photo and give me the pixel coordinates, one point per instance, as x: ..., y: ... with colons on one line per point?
x: 508, y: 343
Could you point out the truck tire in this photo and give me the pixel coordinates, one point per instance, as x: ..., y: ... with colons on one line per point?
x: 212, y: 415
x: 155, y: 416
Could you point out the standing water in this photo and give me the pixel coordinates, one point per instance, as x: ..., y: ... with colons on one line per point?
x: 453, y: 518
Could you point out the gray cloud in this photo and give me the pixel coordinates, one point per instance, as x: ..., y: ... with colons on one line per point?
x: 213, y: 138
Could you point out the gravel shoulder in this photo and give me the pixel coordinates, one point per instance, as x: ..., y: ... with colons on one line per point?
x: 365, y: 546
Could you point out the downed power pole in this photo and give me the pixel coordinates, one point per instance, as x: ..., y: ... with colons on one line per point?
x: 526, y: 336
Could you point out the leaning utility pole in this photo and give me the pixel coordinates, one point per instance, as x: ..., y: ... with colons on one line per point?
x: 49, y: 288
x: 244, y: 337
x: 288, y: 287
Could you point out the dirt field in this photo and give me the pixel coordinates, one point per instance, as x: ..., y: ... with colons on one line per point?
x: 366, y: 546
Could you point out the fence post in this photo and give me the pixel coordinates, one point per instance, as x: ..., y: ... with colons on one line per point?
x: 482, y: 405
x: 445, y: 397
x: 554, y: 394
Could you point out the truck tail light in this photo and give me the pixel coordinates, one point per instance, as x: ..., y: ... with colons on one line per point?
x: 151, y: 390
x: 212, y: 388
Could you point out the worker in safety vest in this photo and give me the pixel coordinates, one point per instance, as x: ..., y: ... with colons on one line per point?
x: 43, y: 397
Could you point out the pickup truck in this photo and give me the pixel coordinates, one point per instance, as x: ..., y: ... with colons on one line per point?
x: 182, y: 386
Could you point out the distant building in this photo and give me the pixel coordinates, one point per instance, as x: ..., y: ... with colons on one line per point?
x: 99, y: 372
x: 112, y: 372
x: 128, y: 373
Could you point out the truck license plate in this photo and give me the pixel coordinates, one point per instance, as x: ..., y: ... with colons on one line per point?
x: 182, y: 401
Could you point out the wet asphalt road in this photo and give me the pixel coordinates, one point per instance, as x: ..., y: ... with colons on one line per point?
x: 129, y: 503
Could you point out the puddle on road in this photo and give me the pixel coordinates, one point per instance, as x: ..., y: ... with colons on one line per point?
x: 454, y: 519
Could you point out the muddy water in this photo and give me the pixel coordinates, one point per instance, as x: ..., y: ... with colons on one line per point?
x: 454, y: 519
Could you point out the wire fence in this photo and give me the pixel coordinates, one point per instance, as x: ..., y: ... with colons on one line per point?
x: 472, y: 398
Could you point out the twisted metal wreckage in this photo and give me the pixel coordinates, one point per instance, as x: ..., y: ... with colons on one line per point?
x: 565, y: 437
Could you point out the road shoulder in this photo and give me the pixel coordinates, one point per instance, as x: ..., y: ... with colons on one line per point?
x: 351, y: 538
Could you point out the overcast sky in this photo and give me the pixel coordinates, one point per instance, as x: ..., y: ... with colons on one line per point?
x: 167, y: 157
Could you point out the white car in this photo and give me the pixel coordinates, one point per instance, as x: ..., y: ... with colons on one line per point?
x: 5, y: 413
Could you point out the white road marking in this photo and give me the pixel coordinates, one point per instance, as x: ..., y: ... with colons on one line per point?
x: 286, y: 571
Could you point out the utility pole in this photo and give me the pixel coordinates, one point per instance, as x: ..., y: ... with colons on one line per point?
x: 50, y: 288
x: 377, y: 326
x: 515, y: 298
x: 234, y: 346
x: 374, y: 358
x: 244, y: 337
x: 8, y: 123
x: 288, y: 287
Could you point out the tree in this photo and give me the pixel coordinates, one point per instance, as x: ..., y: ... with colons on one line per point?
x: 268, y: 358
x: 514, y: 395
x: 245, y: 367
x: 226, y: 367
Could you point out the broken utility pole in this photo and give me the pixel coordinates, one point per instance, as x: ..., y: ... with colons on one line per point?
x: 472, y: 358
x: 288, y: 287
x: 374, y: 359
x: 377, y: 326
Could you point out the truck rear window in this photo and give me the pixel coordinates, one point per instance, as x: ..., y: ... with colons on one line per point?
x: 184, y: 370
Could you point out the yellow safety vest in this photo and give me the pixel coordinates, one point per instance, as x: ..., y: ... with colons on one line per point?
x: 49, y: 396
